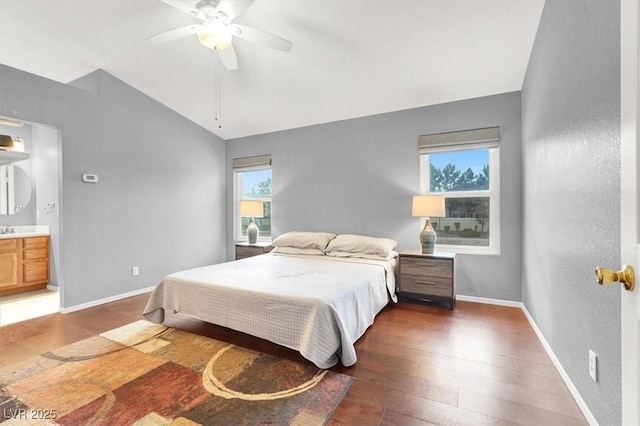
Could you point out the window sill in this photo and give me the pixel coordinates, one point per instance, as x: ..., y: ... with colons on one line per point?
x: 484, y: 251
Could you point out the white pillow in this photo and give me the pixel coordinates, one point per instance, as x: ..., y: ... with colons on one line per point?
x: 295, y: 250
x: 347, y: 243
x: 307, y: 240
x: 363, y: 255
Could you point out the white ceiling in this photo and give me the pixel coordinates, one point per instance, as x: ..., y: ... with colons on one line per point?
x: 350, y: 58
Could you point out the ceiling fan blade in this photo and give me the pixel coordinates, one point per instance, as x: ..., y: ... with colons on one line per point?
x: 174, y: 34
x: 228, y: 57
x: 234, y: 8
x: 184, y: 7
x: 262, y: 37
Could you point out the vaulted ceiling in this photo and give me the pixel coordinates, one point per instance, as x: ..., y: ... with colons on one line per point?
x: 350, y: 58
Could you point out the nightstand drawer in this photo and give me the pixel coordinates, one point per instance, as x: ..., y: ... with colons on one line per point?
x: 427, y: 267
x: 244, y: 250
x: 427, y: 285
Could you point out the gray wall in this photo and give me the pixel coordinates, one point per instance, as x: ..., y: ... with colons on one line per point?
x: 160, y: 200
x: 358, y: 176
x: 571, y: 137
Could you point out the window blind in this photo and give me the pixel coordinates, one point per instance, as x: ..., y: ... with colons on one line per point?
x: 258, y: 160
x: 488, y: 137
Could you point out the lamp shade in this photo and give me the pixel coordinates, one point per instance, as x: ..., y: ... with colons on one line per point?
x: 6, y: 142
x: 428, y: 206
x: 251, y: 208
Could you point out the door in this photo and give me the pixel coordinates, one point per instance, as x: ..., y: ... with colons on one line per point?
x: 630, y: 225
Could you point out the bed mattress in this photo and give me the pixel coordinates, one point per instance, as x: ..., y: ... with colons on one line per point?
x: 317, y: 305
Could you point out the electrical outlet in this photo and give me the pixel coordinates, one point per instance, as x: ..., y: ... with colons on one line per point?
x: 593, y: 365
x: 135, y: 271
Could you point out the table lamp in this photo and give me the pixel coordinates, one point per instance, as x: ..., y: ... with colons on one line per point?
x: 252, y: 209
x: 427, y: 206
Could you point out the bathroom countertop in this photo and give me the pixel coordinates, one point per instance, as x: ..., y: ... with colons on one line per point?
x: 24, y: 231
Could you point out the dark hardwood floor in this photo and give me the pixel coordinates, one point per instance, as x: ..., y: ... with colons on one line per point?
x: 417, y: 365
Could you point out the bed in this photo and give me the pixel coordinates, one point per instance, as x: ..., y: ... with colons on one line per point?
x: 318, y: 305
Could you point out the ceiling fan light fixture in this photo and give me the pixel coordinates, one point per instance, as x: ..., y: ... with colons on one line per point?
x: 215, y: 35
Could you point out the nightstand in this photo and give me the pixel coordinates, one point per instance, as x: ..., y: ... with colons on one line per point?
x: 427, y: 277
x: 244, y: 250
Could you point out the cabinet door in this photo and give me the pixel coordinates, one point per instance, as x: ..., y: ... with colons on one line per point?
x: 9, y: 269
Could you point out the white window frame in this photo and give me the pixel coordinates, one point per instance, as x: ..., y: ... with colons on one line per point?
x: 493, y: 193
x: 237, y: 198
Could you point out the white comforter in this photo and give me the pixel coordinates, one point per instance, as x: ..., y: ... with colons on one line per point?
x: 317, y: 305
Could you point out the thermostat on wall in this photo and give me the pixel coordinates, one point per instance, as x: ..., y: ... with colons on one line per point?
x: 89, y: 178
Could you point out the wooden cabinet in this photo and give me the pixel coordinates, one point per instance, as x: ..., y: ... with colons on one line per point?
x: 244, y: 250
x: 427, y: 277
x: 35, y: 261
x: 24, y: 264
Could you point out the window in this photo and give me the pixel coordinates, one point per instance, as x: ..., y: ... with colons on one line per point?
x: 252, y: 181
x: 464, y: 167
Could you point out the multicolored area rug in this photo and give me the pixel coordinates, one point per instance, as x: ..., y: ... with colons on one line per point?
x: 149, y: 374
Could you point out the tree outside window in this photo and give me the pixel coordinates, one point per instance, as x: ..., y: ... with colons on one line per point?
x: 463, y: 177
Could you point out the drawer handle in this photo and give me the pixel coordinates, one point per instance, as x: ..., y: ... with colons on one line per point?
x: 424, y: 265
x: 425, y: 282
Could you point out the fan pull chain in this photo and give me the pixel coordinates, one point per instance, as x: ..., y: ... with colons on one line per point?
x: 217, y: 100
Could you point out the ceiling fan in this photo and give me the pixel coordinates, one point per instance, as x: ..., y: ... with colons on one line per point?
x: 216, y: 28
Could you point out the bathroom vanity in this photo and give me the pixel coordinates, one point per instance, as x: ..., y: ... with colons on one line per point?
x: 24, y: 262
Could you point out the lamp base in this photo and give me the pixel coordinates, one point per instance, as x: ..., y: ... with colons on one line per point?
x: 252, y: 232
x: 428, y: 238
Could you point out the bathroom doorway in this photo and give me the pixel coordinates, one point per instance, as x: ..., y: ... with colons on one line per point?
x: 32, y: 195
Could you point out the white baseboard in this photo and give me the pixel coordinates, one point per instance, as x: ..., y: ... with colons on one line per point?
x: 565, y: 377
x: 489, y: 301
x: 52, y: 287
x: 105, y: 300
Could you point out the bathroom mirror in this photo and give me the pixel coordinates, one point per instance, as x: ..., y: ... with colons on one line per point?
x: 15, y: 189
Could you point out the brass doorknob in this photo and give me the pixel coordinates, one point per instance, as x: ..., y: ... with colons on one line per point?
x: 606, y: 276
